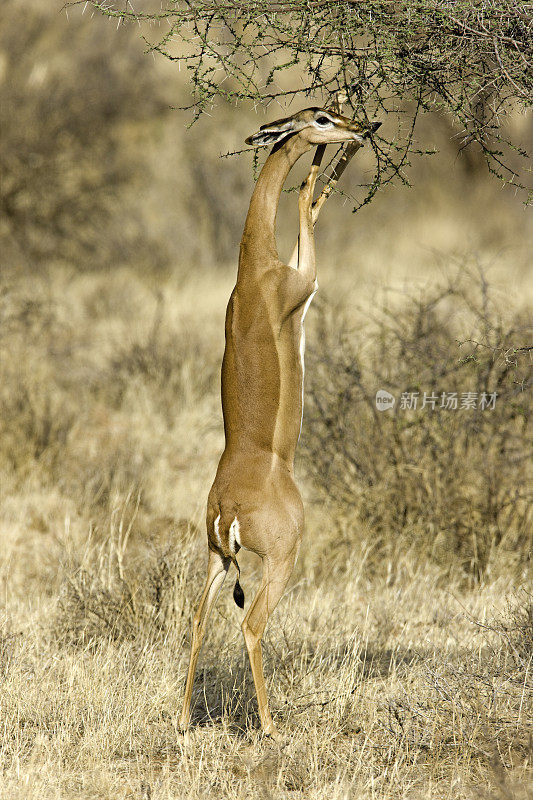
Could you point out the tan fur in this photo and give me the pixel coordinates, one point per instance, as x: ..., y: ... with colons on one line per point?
x: 262, y: 383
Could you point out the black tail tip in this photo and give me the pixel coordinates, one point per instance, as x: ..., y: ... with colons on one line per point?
x: 238, y: 594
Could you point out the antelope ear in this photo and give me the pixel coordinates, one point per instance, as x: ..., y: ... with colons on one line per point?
x: 272, y: 133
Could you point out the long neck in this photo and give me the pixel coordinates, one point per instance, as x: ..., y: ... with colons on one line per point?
x: 258, y: 244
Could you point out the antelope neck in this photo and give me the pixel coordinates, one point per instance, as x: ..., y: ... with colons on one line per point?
x: 264, y: 203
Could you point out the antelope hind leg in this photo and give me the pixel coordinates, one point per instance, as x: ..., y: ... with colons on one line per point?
x: 217, y: 569
x: 275, y: 577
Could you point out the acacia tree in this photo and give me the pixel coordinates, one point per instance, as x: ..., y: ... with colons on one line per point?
x: 392, y: 59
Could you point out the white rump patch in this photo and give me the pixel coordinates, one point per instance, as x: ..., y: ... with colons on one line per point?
x: 302, y: 336
x: 308, y: 303
x: 302, y: 348
x: 217, y: 533
x: 234, y: 537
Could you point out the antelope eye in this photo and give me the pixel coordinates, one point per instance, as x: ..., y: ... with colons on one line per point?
x: 323, y: 121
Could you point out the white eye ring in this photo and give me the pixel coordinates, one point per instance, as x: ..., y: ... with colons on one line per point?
x: 323, y: 121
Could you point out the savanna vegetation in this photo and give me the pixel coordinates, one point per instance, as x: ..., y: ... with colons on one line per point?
x: 399, y: 662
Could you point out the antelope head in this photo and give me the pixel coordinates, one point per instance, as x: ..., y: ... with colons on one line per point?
x: 316, y: 126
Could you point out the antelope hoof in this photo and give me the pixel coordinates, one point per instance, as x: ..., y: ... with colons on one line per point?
x: 272, y: 733
x: 184, y: 736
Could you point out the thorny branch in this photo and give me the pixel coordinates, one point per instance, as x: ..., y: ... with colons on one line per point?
x: 394, y: 60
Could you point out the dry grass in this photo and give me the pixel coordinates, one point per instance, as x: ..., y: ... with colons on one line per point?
x: 453, y: 484
x: 399, y: 662
x: 381, y: 692
x: 402, y: 681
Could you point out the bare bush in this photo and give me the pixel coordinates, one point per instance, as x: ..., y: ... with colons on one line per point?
x: 35, y: 418
x: 166, y: 361
x: 515, y: 629
x: 68, y: 95
x: 450, y: 483
x: 66, y: 408
x: 123, y: 599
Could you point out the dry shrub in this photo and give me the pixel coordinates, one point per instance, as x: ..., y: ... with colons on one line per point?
x: 220, y: 188
x: 35, y: 418
x: 486, y: 695
x: 88, y: 422
x: 447, y: 484
x: 520, y: 631
x: 35, y: 425
x: 70, y: 93
x: 8, y: 641
x: 515, y: 629
x: 136, y: 597
x: 173, y: 364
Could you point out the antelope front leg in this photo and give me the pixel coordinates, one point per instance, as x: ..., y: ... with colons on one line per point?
x: 216, y: 572
x: 338, y: 169
x: 306, y: 238
x: 305, y: 246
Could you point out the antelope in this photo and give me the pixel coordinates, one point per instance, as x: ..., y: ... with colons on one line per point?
x: 254, y: 502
